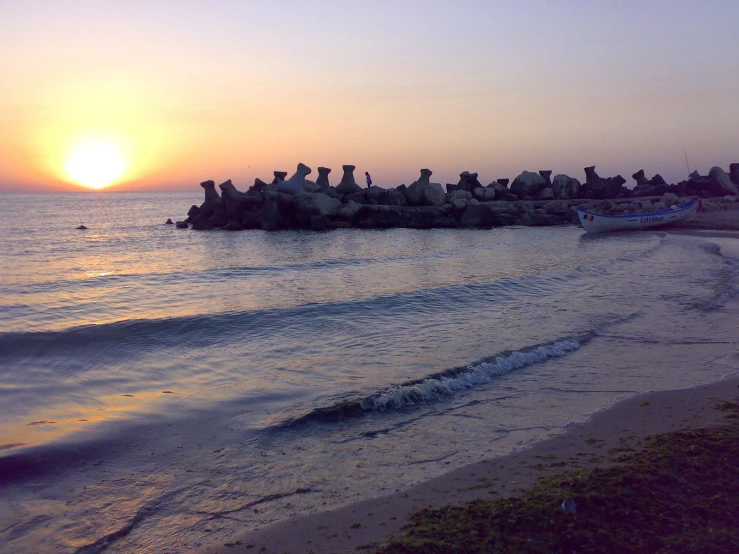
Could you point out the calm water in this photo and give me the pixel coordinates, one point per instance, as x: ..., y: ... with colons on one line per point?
x: 156, y: 385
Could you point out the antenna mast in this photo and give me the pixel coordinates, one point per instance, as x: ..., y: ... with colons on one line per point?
x: 686, y: 160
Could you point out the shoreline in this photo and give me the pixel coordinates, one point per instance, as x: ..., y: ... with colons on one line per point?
x: 367, y: 524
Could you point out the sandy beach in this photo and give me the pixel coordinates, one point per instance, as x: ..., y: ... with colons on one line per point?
x: 368, y: 524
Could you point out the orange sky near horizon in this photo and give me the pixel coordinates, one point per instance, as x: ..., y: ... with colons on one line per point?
x: 190, y: 91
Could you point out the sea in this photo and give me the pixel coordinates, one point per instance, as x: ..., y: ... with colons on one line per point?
x: 162, y: 389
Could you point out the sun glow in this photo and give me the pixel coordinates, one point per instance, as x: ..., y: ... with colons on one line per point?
x: 96, y: 164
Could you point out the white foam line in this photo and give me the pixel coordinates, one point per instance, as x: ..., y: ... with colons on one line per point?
x: 434, y: 388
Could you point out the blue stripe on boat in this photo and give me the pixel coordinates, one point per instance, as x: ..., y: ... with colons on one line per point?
x: 683, y: 206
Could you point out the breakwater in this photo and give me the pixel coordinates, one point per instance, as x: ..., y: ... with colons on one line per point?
x: 532, y: 199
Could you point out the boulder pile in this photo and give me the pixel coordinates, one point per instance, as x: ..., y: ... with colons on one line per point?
x: 533, y: 198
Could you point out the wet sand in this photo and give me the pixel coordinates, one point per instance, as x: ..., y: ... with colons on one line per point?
x: 719, y: 220
x: 367, y: 524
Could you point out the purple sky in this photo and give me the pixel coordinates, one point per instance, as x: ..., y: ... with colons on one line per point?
x: 194, y: 90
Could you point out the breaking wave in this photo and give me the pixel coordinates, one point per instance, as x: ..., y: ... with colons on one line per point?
x: 445, y: 383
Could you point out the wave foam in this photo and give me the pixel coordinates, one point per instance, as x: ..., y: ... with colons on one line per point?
x: 435, y: 387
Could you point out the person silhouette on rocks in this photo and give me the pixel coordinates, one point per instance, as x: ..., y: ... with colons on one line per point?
x: 368, y: 179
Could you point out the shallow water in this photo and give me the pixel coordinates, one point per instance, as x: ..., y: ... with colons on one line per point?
x: 158, y: 385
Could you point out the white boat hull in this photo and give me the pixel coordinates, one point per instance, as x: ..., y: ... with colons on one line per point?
x: 599, y: 223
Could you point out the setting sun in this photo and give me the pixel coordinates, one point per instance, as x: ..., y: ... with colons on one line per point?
x: 96, y: 164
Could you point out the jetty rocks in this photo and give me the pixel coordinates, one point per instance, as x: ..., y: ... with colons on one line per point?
x: 532, y: 199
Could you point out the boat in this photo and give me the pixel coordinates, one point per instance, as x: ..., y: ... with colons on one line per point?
x: 594, y: 222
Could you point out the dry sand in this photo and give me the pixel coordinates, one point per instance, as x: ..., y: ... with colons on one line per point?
x: 367, y: 524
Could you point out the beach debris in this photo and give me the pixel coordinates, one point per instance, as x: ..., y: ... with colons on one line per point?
x: 569, y: 506
x: 81, y: 227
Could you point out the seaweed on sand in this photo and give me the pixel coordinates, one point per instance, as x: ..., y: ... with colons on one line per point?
x: 679, y: 493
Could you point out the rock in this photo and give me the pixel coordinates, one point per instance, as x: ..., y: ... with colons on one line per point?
x: 590, y: 174
x: 528, y: 183
x: 657, y: 181
x: 458, y: 203
x: 322, y: 181
x: 295, y: 185
x: 425, y: 176
x: 503, y: 182
x: 468, y: 181
x: 235, y: 201
x: 510, y: 197
x: 423, y: 193
x: 734, y: 173
x: 485, y: 194
x: 547, y: 176
x: 81, y: 228
x: 258, y: 186
x: 380, y: 216
x: 181, y: 225
x: 320, y: 223
x: 250, y: 220
x: 601, y: 188
x: 169, y: 221
x: 669, y: 199
x: 556, y: 207
x: 348, y: 211
x: 569, y: 506
x: 704, y: 186
x: 477, y: 215
x: 644, y: 190
x: 694, y: 176
x: 721, y: 179
x: 640, y: 178
x: 279, y: 177
x: 374, y: 194
x: 460, y: 195
x: 233, y: 225
x: 546, y: 194
x: 348, y: 185
x: 393, y: 197
x: 212, y: 202
x: 360, y: 197
x: 270, y: 216
x: 318, y: 204
x: 542, y: 219
x: 499, y: 189
x: 310, y: 186
x: 565, y: 187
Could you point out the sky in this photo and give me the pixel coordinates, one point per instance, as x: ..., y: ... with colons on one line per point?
x: 163, y: 94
